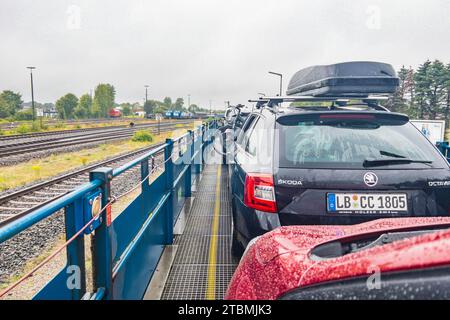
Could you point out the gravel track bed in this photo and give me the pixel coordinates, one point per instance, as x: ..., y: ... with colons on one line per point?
x: 17, y: 251
x: 30, y: 244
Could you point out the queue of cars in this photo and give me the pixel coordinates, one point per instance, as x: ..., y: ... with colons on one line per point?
x: 345, y: 185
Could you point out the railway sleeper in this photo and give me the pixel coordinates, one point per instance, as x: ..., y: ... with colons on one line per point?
x: 47, y: 194
x: 60, y: 189
x: 6, y: 215
x: 13, y: 208
x: 24, y: 203
x: 43, y: 198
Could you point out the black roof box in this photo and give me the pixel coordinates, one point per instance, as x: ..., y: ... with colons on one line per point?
x: 359, y: 79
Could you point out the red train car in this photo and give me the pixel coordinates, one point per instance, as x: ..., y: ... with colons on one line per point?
x: 115, y: 113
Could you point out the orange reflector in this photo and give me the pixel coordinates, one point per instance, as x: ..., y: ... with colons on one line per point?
x: 108, y: 215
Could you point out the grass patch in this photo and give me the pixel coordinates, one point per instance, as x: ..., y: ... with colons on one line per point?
x: 45, y: 126
x: 60, y: 125
x: 22, y: 129
x: 142, y: 136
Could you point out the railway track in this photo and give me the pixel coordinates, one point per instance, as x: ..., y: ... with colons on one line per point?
x: 64, y: 139
x: 17, y: 204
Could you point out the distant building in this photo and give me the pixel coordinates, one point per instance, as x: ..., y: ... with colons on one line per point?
x: 139, y: 113
x: 47, y: 110
x: 39, y: 112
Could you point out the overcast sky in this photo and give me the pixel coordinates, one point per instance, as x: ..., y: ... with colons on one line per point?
x: 212, y: 49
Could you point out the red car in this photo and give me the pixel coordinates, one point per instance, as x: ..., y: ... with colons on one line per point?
x: 407, y: 258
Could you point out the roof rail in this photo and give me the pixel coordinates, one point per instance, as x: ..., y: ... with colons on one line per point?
x: 272, y: 102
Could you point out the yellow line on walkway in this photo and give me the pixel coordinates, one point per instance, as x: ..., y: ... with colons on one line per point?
x: 211, y: 287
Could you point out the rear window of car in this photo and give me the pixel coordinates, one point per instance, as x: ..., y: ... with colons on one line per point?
x: 347, y: 140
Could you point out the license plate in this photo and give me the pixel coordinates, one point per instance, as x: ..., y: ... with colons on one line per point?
x: 367, y: 203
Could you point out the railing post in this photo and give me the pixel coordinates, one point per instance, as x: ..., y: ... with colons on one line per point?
x: 204, y: 137
x: 197, y: 151
x: 145, y: 186
x: 102, y: 256
x: 168, y: 168
x: 75, y: 251
x: 188, y: 177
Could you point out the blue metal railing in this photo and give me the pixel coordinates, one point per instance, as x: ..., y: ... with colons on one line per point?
x: 444, y: 148
x: 125, y: 250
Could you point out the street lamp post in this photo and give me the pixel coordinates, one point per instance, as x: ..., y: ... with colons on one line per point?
x: 32, y: 91
x: 281, y: 80
x: 146, y: 96
x: 189, y: 102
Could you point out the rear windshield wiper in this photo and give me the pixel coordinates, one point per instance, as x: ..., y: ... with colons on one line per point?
x: 390, y: 154
x: 384, y: 162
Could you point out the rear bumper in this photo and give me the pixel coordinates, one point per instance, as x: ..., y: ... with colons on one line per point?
x: 250, y: 223
x: 289, y: 219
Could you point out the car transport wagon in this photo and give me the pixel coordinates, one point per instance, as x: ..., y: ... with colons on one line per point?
x: 334, y: 156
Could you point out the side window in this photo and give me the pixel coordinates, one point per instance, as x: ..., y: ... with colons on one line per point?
x: 255, y: 137
x: 246, y: 130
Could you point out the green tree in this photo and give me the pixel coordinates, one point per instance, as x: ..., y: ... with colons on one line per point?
x: 167, y: 102
x: 398, y: 101
x: 136, y: 106
x: 422, y: 86
x: 446, y: 106
x: 10, y: 103
x: 66, y: 106
x: 84, y: 107
x: 161, y: 108
x: 104, y: 97
x: 178, y: 105
x: 431, y: 89
x: 24, y: 115
x: 150, y: 106
x: 437, y: 94
x: 193, y: 108
x: 126, y: 109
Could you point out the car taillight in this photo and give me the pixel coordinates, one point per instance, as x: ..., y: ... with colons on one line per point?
x: 259, y: 192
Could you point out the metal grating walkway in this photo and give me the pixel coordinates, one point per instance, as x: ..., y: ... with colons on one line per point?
x: 203, y: 265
